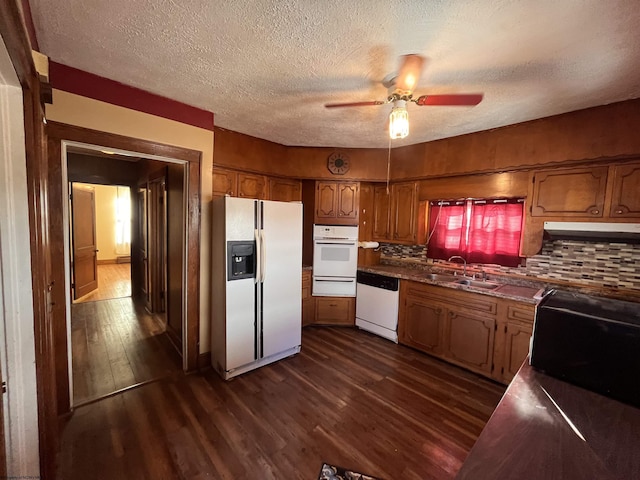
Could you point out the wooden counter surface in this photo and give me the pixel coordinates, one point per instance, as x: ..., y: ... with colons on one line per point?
x: 547, y: 429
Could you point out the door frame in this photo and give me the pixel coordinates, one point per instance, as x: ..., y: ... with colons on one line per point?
x: 59, y: 137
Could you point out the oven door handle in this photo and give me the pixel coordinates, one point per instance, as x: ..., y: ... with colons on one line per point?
x: 334, y: 243
x: 336, y: 280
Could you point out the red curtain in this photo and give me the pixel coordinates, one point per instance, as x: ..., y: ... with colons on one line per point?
x: 494, y: 233
x: 448, y: 230
x: 481, y: 232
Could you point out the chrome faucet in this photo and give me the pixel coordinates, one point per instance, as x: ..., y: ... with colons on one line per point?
x: 464, y: 271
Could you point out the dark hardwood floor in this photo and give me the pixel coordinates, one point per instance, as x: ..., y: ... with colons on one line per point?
x: 115, y: 344
x: 349, y: 398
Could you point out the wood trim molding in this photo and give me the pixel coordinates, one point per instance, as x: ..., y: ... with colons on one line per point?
x: 16, y: 40
x: 58, y: 132
x: 73, y: 80
x: 64, y: 131
x: 31, y: 29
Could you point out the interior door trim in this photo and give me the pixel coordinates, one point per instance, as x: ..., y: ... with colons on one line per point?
x: 59, y: 133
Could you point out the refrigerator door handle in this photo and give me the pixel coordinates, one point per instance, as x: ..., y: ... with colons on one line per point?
x: 263, y: 257
x: 256, y: 234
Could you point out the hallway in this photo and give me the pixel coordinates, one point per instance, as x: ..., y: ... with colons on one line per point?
x: 115, y: 345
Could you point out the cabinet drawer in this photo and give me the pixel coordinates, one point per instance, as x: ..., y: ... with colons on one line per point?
x: 521, y: 313
x: 472, y: 301
x: 335, y: 310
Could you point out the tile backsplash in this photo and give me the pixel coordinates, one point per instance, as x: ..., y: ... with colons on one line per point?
x: 587, y: 263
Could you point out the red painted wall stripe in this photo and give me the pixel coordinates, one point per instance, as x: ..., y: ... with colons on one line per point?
x: 72, y: 80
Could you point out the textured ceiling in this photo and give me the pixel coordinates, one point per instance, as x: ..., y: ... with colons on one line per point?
x: 266, y: 68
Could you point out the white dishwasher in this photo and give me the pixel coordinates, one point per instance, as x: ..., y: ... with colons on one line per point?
x: 377, y: 299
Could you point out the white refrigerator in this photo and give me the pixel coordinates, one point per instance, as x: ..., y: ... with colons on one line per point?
x: 256, y: 283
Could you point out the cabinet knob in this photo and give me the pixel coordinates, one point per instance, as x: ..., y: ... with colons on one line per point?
x: 595, y: 211
x: 618, y: 212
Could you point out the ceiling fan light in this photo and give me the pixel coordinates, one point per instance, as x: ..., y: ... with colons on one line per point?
x: 399, y: 122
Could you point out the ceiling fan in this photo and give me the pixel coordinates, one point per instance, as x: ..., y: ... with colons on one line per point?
x: 403, y: 85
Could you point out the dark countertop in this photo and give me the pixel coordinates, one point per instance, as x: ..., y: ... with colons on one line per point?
x: 522, y: 293
x: 547, y: 429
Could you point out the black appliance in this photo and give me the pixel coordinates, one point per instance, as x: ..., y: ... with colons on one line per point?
x: 378, y: 281
x: 241, y: 259
x: 591, y: 342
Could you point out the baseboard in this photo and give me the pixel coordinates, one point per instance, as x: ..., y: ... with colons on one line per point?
x: 111, y: 261
x: 108, y: 261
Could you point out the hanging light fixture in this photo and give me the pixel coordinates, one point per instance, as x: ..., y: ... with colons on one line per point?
x: 399, y: 120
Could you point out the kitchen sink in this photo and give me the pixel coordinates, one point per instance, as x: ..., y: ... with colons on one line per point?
x: 441, y: 277
x: 478, y: 284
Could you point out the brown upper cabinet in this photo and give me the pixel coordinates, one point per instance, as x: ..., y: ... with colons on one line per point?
x: 381, y: 211
x: 398, y: 217
x: 574, y: 192
x: 625, y: 199
x: 337, y: 203
x: 225, y: 182
x: 606, y: 191
x: 285, y: 190
x: 252, y: 185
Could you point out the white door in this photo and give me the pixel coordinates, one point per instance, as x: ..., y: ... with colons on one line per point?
x: 282, y: 276
x: 240, y: 325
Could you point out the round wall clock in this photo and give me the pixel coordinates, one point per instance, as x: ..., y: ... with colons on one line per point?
x: 338, y: 163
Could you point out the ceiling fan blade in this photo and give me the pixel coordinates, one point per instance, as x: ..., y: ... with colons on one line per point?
x: 354, y: 104
x: 409, y: 74
x: 452, y: 99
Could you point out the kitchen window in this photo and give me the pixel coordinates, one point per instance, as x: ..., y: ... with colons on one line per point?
x: 481, y: 231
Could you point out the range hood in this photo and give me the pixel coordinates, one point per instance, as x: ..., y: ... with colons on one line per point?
x: 595, y: 231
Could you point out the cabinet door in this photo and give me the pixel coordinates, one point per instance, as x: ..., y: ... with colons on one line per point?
x: 335, y: 310
x: 625, y: 201
x: 404, y: 197
x: 251, y: 186
x: 421, y: 325
x: 326, y: 201
x: 469, y: 340
x: 381, y: 208
x: 224, y: 182
x: 516, y: 348
x: 576, y: 192
x: 308, y: 302
x: 347, y: 201
x: 285, y: 190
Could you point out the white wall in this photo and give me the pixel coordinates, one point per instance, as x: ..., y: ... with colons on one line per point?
x: 17, y: 343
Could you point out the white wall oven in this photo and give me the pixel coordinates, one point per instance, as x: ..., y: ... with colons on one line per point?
x: 335, y: 260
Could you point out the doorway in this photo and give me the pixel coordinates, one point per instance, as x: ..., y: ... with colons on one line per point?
x: 61, y: 137
x: 122, y: 329
x: 100, y: 234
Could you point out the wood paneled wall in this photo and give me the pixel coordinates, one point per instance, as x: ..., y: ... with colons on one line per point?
x: 494, y: 185
x: 608, y: 131
x: 243, y: 152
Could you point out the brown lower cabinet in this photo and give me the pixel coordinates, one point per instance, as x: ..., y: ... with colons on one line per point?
x: 335, y: 311
x: 484, y: 334
x: 308, y: 302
